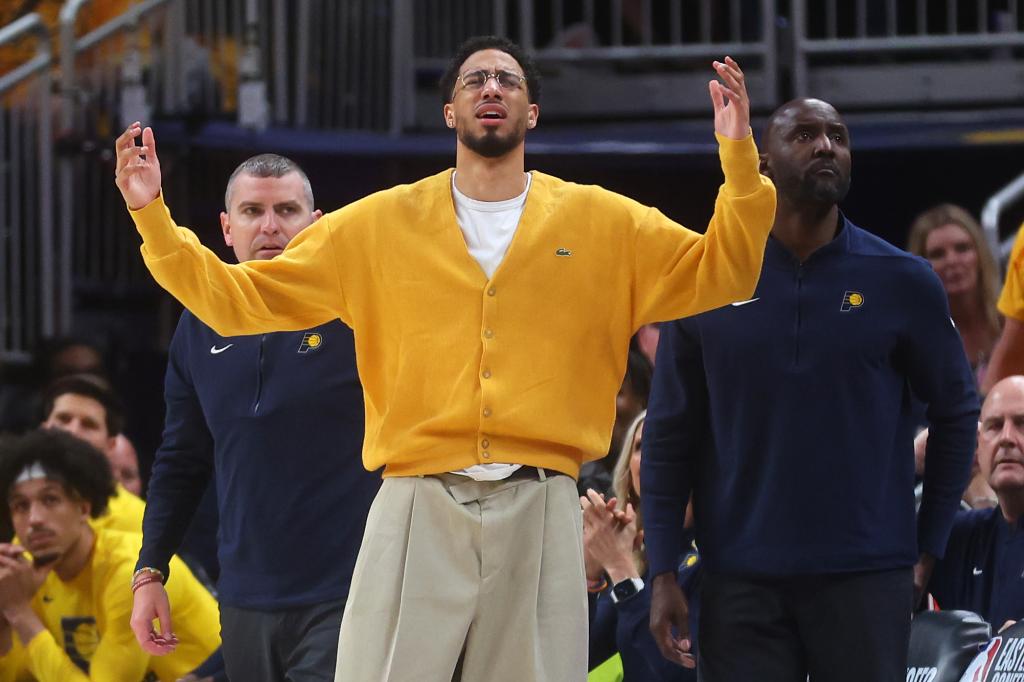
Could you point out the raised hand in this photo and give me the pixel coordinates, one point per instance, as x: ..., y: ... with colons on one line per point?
x: 730, y: 99
x: 138, y: 169
x: 151, y: 604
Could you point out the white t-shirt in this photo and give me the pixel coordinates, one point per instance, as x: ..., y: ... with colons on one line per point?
x: 488, y: 228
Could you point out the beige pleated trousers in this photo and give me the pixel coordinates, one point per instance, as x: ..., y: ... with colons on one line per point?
x: 468, y: 581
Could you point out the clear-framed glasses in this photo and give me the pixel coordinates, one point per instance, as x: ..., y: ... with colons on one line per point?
x: 507, y: 80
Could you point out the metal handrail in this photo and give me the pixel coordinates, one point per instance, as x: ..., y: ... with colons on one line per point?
x: 70, y: 46
x: 30, y: 23
x: 994, y: 207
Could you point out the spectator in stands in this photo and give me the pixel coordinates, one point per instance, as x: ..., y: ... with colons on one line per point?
x: 952, y: 241
x: 488, y: 377
x: 1008, y: 354
x: 984, y: 562
x: 125, y: 462
x: 617, y: 577
x: 64, y: 610
x: 273, y: 417
x: 787, y: 415
x: 86, y: 407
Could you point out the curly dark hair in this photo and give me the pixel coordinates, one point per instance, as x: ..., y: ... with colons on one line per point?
x: 90, y: 386
x: 80, y: 468
x: 477, y: 43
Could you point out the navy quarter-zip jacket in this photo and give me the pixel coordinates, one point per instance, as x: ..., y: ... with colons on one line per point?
x: 790, y: 418
x: 278, y: 420
x: 983, y: 570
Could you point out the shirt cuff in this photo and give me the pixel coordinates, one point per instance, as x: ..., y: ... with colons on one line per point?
x: 159, y: 233
x: 740, y: 164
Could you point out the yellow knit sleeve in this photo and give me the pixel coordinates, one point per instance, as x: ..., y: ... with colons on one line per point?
x: 296, y: 290
x: 1011, y: 300
x: 679, y: 272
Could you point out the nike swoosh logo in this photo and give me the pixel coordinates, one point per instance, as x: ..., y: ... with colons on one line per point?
x: 739, y: 303
x: 214, y: 350
x: 978, y: 572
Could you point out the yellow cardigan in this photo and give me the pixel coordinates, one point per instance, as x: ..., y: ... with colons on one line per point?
x: 458, y: 369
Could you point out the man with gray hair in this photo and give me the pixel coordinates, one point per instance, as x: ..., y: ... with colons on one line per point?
x: 279, y: 419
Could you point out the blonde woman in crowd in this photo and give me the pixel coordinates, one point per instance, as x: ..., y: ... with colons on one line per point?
x: 616, y: 566
x: 952, y: 241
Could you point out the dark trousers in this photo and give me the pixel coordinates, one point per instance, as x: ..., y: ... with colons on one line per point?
x: 291, y: 645
x: 848, y: 627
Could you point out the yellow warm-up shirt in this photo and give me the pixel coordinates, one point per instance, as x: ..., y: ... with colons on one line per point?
x: 88, y: 636
x: 461, y: 369
x: 1011, y: 300
x: 124, y: 512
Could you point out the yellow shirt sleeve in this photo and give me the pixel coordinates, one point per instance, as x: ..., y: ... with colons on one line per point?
x: 117, y: 657
x: 680, y: 272
x: 13, y: 663
x: 296, y: 290
x: 1011, y: 300
x: 124, y: 513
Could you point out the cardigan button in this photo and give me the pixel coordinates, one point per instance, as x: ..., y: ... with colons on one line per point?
x: 487, y: 412
x: 488, y: 333
x: 485, y: 443
x: 487, y: 455
x: 492, y: 291
x: 487, y: 374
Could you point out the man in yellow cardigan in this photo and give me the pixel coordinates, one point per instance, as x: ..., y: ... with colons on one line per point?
x: 492, y: 311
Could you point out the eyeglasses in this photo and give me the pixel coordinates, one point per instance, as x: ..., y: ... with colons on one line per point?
x: 507, y: 80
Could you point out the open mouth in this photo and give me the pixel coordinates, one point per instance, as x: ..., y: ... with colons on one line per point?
x: 491, y: 113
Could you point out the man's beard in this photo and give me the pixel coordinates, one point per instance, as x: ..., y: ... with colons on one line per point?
x: 824, y: 191
x: 490, y: 144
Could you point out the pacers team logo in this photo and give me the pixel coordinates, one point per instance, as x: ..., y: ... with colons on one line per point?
x: 851, y: 300
x: 310, y: 341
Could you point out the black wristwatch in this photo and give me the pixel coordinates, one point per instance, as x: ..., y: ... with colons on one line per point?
x: 626, y: 589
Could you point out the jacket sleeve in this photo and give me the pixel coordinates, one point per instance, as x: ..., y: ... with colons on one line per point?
x: 674, y: 433
x: 298, y: 289
x: 183, y: 464
x: 602, y: 629
x: 679, y: 272
x: 941, y: 376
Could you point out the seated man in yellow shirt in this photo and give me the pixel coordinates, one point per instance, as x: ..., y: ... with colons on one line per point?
x: 86, y: 407
x: 65, y: 609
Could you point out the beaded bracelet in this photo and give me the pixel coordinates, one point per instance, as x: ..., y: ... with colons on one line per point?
x: 146, y: 570
x: 144, y: 581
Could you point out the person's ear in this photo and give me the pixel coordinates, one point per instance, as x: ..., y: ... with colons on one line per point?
x: 449, y: 115
x: 225, y: 227
x: 763, y: 166
x: 531, y: 116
